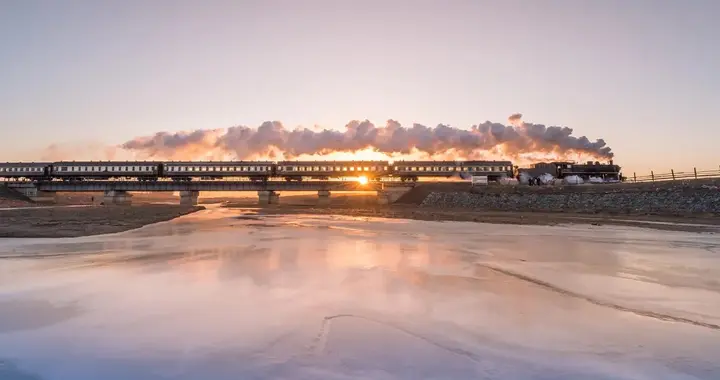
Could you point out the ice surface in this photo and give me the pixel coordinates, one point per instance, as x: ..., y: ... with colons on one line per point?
x: 220, y: 295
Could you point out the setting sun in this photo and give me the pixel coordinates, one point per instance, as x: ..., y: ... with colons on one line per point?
x: 363, y: 180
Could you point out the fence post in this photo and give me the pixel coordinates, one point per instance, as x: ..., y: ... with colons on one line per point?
x: 695, y: 170
x: 673, y: 174
x: 652, y: 175
x: 634, y: 177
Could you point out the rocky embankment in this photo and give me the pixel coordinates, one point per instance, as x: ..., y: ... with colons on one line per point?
x: 691, y: 198
x: 83, y: 221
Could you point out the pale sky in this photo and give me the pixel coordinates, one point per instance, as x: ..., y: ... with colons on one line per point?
x: 642, y: 74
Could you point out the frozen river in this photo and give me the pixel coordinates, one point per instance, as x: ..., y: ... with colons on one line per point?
x: 224, y: 294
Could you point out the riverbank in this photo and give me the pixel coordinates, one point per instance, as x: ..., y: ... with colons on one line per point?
x: 54, y: 222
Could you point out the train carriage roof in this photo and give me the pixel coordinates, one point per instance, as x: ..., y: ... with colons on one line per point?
x: 504, y: 162
x: 218, y: 163
x: 320, y: 163
x: 105, y: 163
x: 24, y: 164
x: 452, y: 163
x: 435, y: 163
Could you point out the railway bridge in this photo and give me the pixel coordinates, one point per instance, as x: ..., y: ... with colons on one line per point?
x: 119, y: 192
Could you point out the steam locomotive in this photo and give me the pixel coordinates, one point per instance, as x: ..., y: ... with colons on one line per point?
x: 562, y: 169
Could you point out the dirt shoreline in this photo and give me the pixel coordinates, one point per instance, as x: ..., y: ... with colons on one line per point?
x: 668, y: 223
x: 95, y: 220
x: 56, y: 222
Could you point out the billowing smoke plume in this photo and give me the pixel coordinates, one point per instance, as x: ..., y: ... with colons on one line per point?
x: 272, y: 139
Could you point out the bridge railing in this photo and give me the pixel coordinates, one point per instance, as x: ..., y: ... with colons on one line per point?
x: 673, y: 175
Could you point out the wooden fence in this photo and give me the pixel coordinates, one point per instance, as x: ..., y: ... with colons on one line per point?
x: 674, y: 175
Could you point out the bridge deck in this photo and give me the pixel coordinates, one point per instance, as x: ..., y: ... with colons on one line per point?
x: 89, y: 186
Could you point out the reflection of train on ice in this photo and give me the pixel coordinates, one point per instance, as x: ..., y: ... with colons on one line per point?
x: 297, y: 170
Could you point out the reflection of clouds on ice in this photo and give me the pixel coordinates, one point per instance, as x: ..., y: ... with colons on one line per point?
x: 214, y: 296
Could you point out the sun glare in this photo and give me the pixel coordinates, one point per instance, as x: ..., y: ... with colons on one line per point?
x: 363, y: 180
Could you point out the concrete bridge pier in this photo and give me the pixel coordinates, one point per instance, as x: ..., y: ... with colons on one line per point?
x: 45, y: 197
x: 267, y: 197
x: 386, y: 197
x: 36, y: 195
x: 115, y: 197
x: 323, y: 198
x: 189, y: 198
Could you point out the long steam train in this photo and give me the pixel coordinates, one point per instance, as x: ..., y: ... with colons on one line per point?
x: 254, y: 170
